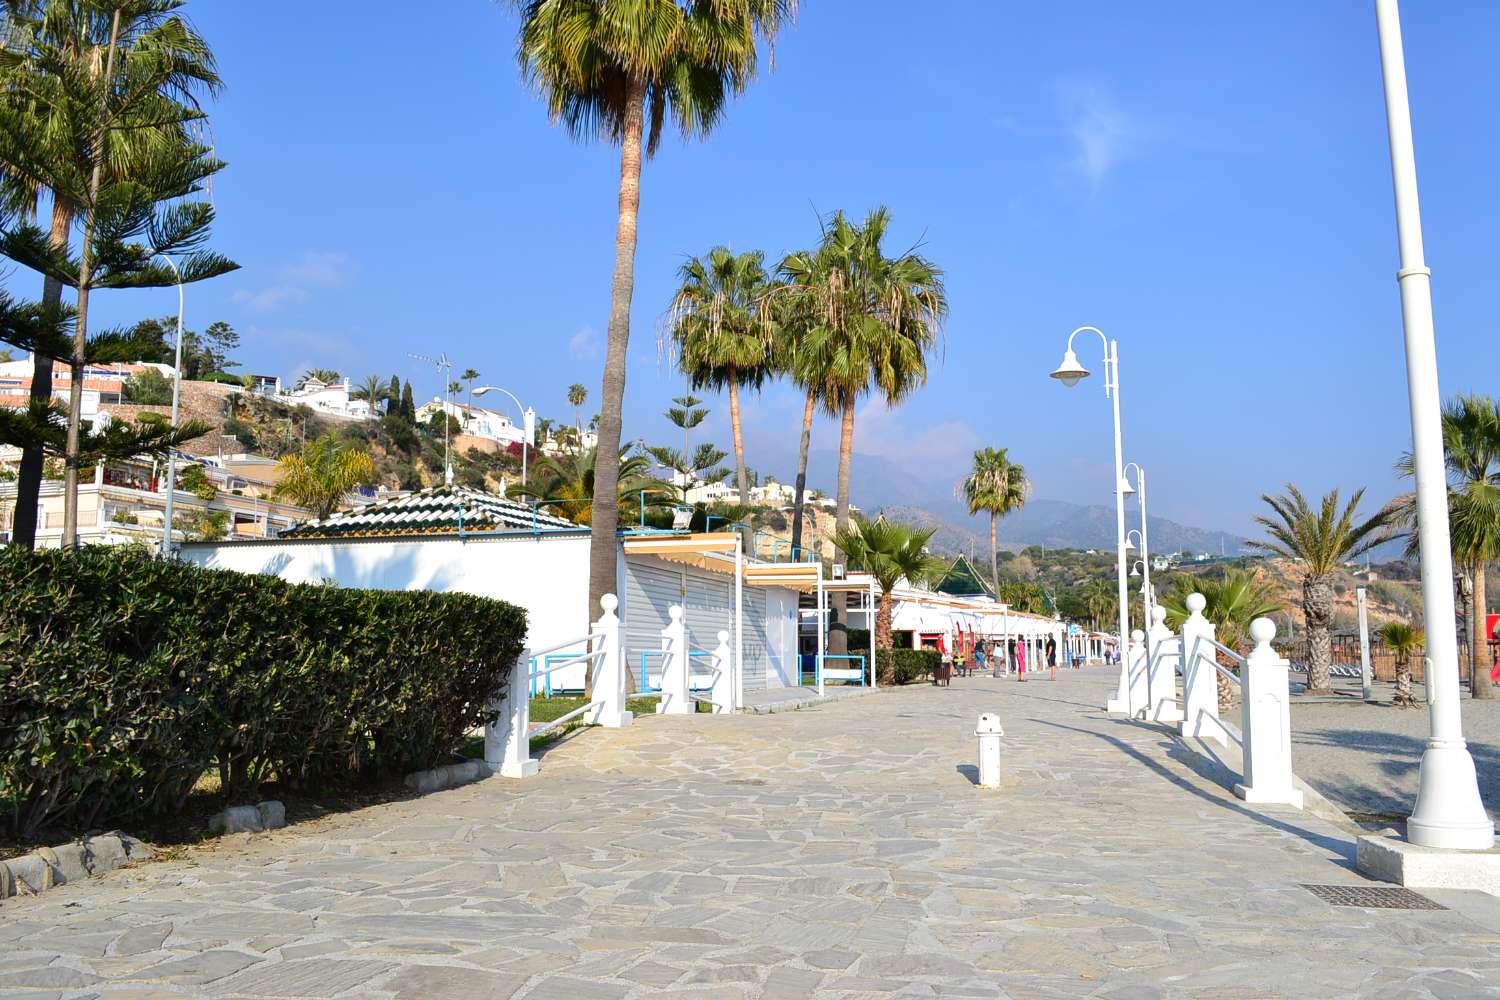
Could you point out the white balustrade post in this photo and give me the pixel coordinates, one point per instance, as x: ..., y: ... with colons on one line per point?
x: 1200, y: 679
x: 675, y: 699
x: 1161, y: 681
x: 1137, y: 696
x: 507, y: 746
x: 1120, y: 703
x: 1266, y: 718
x: 608, y: 707
x: 722, y: 693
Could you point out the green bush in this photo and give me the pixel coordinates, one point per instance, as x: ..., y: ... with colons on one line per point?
x: 124, y: 678
x: 904, y: 666
x: 149, y: 388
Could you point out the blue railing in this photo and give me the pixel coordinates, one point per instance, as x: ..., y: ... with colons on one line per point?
x: 645, y: 688
x: 821, y: 663
x: 544, y: 681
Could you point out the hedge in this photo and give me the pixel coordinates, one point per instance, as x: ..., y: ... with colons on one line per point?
x: 903, y: 666
x: 124, y: 678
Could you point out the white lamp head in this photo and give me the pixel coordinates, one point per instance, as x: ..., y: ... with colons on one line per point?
x: 1129, y: 545
x: 1070, y: 371
x: 1135, y: 571
x: 482, y: 390
x: 1125, y: 488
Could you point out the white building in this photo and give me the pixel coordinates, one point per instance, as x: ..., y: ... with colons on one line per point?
x: 475, y: 421
x: 331, y: 398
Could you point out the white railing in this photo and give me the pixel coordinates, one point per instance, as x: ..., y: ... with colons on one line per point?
x: 1265, y: 736
x: 507, y: 740
x: 717, y: 675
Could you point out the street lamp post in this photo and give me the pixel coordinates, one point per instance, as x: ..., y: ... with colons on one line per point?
x: 166, y: 530
x: 1069, y: 373
x: 1139, y: 489
x: 1449, y: 812
x: 528, y: 423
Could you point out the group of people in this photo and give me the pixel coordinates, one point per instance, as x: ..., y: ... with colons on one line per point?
x: 1000, y: 655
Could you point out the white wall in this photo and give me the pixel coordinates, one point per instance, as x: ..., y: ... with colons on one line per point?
x: 547, y: 576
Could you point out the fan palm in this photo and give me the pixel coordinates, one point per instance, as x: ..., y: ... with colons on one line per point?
x: 45, y: 40
x: 1231, y: 604
x: 890, y: 552
x: 469, y: 375
x: 872, y: 321
x: 373, y: 390
x: 565, y: 482
x: 1320, y: 540
x: 796, y: 355
x: 717, y: 329
x: 577, y: 396
x: 615, y: 71
x: 1405, y: 641
x: 326, y: 472
x: 996, y: 486
x: 1471, y: 451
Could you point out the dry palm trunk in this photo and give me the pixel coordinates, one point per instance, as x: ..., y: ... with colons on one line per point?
x: 1403, y: 697
x: 883, y: 639
x: 605, y: 511
x: 1226, y: 688
x: 1479, y: 685
x: 1317, y: 607
x: 799, y: 500
x: 994, y: 552
x: 742, y: 480
x: 838, y: 638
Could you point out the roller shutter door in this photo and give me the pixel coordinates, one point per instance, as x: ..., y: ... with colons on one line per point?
x: 650, y: 589
x: 754, y: 638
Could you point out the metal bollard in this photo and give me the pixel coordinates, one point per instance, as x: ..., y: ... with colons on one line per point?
x: 989, y: 732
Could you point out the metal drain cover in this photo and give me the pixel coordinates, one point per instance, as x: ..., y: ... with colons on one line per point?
x: 1380, y: 897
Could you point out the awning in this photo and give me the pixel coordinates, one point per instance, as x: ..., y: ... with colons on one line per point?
x: 711, y: 551
x: 910, y: 616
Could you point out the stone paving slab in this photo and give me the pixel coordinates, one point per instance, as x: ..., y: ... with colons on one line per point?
x: 842, y: 851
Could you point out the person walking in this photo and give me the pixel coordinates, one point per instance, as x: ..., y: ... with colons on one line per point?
x: 1021, y: 660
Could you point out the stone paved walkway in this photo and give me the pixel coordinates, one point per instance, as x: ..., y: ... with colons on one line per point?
x: 840, y: 851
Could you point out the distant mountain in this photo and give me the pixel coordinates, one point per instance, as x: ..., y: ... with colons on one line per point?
x: 884, y: 485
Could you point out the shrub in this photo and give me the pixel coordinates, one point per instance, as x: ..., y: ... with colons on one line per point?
x: 903, y: 666
x: 124, y: 678
x: 149, y: 388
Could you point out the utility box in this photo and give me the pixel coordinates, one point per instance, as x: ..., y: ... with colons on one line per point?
x: 989, y: 732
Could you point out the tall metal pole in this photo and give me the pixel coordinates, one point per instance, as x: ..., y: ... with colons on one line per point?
x: 166, y: 529
x: 1113, y: 363
x: 1449, y: 812
x: 1365, y: 678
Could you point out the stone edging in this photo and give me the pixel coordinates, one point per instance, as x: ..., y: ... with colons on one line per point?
x: 446, y: 776
x: 51, y: 866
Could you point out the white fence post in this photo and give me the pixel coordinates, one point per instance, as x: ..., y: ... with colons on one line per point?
x: 1121, y: 702
x: 608, y: 708
x: 722, y: 693
x: 1266, y: 721
x: 1200, y: 680
x: 1137, y: 696
x: 1161, y: 681
x: 507, y: 746
x: 675, y: 698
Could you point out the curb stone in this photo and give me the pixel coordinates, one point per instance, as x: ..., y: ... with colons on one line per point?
x: 47, y: 867
x: 446, y: 776
x: 268, y: 815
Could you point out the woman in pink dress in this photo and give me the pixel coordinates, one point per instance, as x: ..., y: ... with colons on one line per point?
x: 1021, y: 661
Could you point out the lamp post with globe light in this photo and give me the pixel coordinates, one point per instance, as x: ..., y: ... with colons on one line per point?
x: 1070, y: 373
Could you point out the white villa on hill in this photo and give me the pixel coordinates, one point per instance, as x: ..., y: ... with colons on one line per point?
x: 332, y: 398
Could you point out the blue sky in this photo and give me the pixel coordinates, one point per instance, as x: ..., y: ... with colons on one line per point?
x: 1208, y: 183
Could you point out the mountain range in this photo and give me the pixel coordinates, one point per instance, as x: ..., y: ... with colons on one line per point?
x: 883, y: 486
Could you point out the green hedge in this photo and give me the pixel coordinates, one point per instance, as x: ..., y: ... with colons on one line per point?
x: 904, y: 666
x: 124, y: 678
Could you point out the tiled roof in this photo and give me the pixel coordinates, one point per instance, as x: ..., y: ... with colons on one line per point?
x: 439, y: 510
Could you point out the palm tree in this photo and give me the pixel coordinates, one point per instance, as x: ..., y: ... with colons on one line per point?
x: 566, y: 481
x: 890, y: 551
x: 718, y: 331
x: 796, y: 356
x: 1471, y: 450
x: 469, y: 375
x: 1402, y: 639
x: 996, y: 486
x: 871, y: 321
x: 46, y: 40
x: 327, y: 471
x: 1320, y: 540
x: 373, y: 390
x: 615, y: 70
x: 1231, y: 604
x: 577, y: 396
x: 1102, y: 601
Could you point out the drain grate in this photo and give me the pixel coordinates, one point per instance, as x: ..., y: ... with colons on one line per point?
x: 1380, y: 897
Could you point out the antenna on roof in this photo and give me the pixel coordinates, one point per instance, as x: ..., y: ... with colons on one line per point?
x: 446, y: 367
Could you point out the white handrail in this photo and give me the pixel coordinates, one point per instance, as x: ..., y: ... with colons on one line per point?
x: 565, y: 644
x: 559, y: 721
x: 1225, y: 649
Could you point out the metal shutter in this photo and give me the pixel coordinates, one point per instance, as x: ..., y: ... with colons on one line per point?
x: 754, y: 638
x: 709, y: 608
x: 650, y: 589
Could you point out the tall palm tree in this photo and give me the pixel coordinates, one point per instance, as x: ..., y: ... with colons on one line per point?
x: 718, y: 331
x: 577, y: 396
x: 1231, y: 604
x: 469, y: 375
x: 797, y: 355
x: 890, y: 551
x: 326, y: 472
x: 46, y: 39
x: 1471, y: 450
x: 1320, y: 540
x: 373, y: 390
x: 614, y: 70
x: 1405, y: 641
x: 875, y: 320
x: 1102, y: 601
x: 996, y: 486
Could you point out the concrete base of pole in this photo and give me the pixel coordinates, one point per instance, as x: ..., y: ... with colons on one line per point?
x: 1449, y: 814
x: 1391, y: 859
